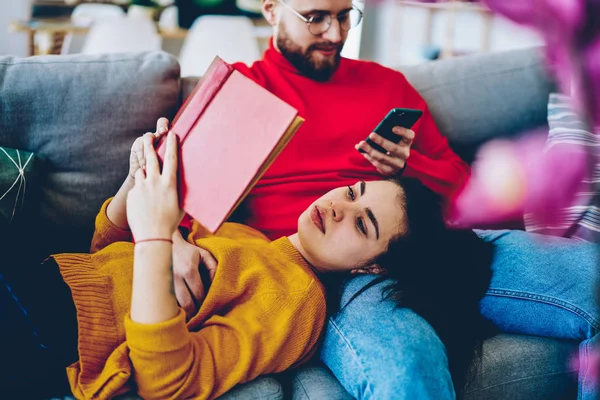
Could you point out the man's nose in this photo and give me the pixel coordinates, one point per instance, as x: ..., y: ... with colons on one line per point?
x: 334, y: 33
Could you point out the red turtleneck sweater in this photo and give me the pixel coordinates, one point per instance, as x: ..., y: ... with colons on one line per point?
x: 339, y: 113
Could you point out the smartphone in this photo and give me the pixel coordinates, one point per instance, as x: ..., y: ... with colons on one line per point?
x: 403, y: 117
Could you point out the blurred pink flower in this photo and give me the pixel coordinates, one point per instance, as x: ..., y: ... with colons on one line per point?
x: 589, y: 363
x: 571, y: 30
x: 510, y: 177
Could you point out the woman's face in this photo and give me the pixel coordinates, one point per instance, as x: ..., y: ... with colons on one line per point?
x: 350, y: 226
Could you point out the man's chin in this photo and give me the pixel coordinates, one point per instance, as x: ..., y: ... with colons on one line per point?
x: 323, y: 71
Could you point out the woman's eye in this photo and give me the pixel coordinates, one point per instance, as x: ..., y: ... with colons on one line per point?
x: 361, y: 226
x: 351, y: 193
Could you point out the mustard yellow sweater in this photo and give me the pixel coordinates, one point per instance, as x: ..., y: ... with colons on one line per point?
x: 263, y: 313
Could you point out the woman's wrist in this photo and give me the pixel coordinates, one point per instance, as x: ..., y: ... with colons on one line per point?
x: 153, y: 255
x: 154, y: 240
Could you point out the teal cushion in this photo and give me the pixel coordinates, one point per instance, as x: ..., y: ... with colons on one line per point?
x: 18, y: 184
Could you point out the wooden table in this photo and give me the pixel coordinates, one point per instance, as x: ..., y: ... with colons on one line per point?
x: 46, y: 35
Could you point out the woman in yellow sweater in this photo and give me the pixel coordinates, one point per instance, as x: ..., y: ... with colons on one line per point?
x: 264, y: 309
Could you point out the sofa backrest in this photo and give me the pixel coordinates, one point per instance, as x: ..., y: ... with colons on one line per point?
x: 80, y: 114
x: 479, y: 97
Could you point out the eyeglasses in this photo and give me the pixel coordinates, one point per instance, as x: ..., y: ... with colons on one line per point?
x: 320, y: 22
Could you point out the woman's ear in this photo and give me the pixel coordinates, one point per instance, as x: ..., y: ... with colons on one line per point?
x: 371, y: 269
x: 268, y: 10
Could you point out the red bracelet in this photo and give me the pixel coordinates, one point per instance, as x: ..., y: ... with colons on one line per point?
x: 154, y: 240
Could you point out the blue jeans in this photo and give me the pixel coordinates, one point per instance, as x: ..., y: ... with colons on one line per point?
x: 539, y: 287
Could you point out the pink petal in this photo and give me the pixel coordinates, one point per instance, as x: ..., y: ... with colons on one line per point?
x: 510, y: 177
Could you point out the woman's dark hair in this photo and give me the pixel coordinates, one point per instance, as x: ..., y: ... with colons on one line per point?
x: 441, y: 274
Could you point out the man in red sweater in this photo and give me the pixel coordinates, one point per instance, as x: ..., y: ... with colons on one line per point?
x: 342, y: 101
x: 374, y: 349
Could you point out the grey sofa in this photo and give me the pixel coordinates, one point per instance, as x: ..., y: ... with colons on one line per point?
x: 79, y: 114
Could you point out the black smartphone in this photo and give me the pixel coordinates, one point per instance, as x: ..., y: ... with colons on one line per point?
x: 403, y: 117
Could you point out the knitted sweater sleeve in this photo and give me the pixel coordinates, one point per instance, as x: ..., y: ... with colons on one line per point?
x: 169, y: 362
x: 106, y: 232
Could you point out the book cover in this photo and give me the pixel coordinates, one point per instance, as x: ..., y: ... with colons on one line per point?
x: 230, y: 130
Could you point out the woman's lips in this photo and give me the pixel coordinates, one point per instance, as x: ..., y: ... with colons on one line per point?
x: 317, y: 218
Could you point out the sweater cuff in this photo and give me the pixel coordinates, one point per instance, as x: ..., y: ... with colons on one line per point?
x: 162, y: 337
x: 109, y: 231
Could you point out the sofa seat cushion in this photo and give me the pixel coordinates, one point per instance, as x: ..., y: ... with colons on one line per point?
x: 519, y: 367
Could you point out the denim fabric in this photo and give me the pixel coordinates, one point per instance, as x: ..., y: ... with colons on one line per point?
x: 545, y: 285
x: 540, y: 286
x: 378, y: 351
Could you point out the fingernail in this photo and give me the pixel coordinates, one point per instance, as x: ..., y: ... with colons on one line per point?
x: 372, y: 136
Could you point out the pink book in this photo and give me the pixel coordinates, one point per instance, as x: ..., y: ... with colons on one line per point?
x: 230, y: 130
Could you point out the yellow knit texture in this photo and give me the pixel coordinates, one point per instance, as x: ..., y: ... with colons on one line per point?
x: 264, y: 313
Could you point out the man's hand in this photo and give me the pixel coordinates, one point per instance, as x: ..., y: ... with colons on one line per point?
x: 187, y: 261
x: 393, y: 162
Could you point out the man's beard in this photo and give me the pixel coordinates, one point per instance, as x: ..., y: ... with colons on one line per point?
x: 304, y: 62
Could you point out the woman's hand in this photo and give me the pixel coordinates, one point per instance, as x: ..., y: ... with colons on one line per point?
x: 153, y: 213
x: 117, y: 212
x: 152, y: 204
x: 137, y: 159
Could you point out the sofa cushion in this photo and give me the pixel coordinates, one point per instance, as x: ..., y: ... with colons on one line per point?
x: 316, y: 382
x: 263, y: 388
x: 18, y: 184
x: 81, y: 113
x: 519, y: 367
